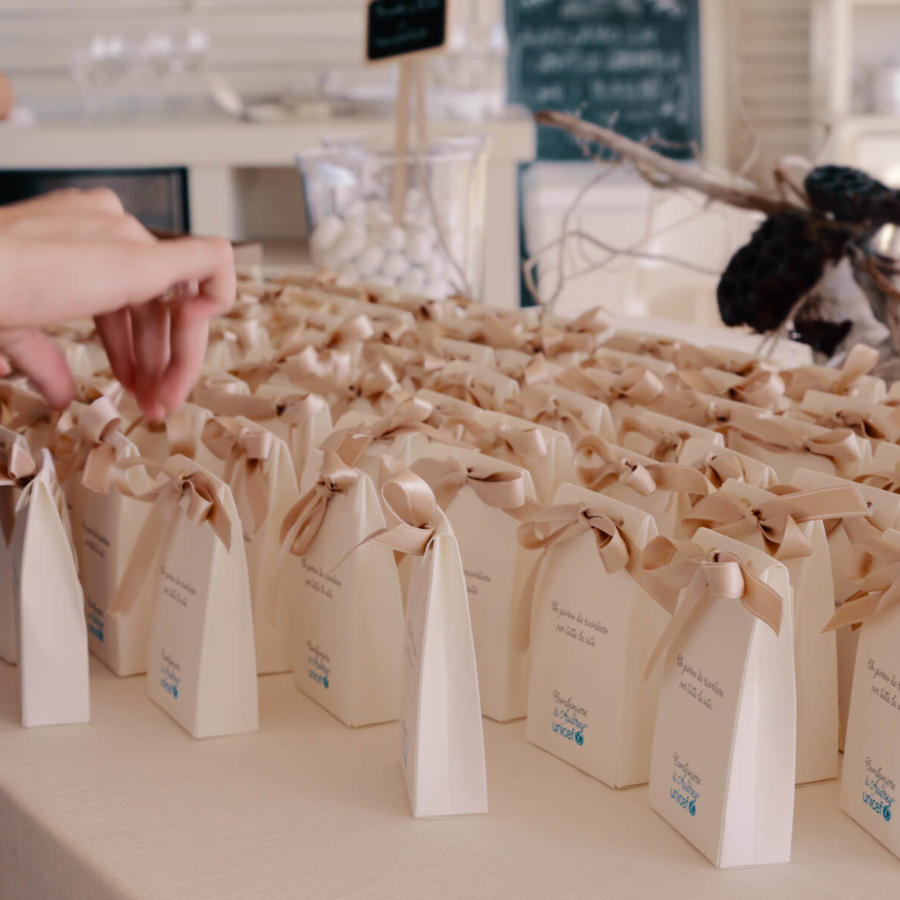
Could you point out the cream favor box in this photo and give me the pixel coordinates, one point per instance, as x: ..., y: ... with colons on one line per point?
x: 786, y: 444
x: 201, y: 664
x: 17, y: 468
x: 545, y: 452
x: 720, y: 464
x: 345, y: 608
x: 48, y: 606
x: 112, y: 516
x: 661, y: 437
x: 664, y: 490
x: 482, y: 498
x: 442, y: 739
x: 260, y: 473
x: 724, y: 745
x: 593, y: 627
x: 884, y: 513
x: 791, y: 527
x: 872, y: 748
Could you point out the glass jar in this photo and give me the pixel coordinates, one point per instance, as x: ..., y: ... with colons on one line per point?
x: 431, y: 245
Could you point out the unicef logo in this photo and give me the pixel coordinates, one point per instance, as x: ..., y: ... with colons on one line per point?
x: 886, y: 812
x: 692, y: 808
x: 175, y: 691
x: 325, y: 682
x: 579, y: 738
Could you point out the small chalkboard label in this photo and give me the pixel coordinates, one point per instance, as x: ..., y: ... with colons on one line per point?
x: 404, y: 27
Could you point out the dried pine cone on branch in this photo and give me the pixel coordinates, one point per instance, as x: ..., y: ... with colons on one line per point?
x: 810, y: 270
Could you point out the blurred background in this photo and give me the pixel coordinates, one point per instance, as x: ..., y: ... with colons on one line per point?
x: 212, y: 116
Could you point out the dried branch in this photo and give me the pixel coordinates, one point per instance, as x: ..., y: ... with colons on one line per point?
x: 661, y: 167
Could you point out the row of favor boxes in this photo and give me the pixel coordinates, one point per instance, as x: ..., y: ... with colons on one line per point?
x: 619, y: 545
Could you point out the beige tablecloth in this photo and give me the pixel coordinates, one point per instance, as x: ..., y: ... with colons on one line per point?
x: 130, y: 806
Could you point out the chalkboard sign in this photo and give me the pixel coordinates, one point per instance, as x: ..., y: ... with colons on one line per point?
x: 402, y: 27
x: 632, y: 64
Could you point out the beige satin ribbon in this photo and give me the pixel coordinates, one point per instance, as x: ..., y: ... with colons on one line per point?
x: 498, y: 488
x: 408, y: 417
x: 637, y: 385
x: 550, y: 410
x: 89, y: 389
x: 245, y: 335
x: 226, y: 397
x: 875, y: 563
x: 304, y: 520
x: 779, y: 435
x: 190, y: 494
x: 860, y: 423
x: 884, y: 481
x: 549, y: 526
x: 88, y: 439
x: 26, y: 406
x: 720, y: 467
x: 667, y: 445
x: 537, y: 371
x: 670, y: 567
x: 17, y: 465
x: 859, y: 362
x: 356, y: 329
x: 616, y: 465
x: 778, y: 520
x: 524, y: 445
x: 464, y: 386
x: 763, y: 389
x: 325, y: 373
x: 245, y: 450
x: 644, y: 345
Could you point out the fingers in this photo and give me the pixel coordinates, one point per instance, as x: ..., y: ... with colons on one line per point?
x: 150, y: 336
x: 189, y: 337
x: 34, y: 354
x: 115, y: 331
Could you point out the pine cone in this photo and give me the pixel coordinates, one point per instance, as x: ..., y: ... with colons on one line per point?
x: 784, y: 260
x: 852, y: 196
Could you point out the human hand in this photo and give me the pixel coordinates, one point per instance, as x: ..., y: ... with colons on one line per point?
x: 112, y: 268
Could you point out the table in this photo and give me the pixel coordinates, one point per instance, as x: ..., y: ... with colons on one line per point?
x: 131, y: 807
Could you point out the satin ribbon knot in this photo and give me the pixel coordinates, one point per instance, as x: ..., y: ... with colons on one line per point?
x: 679, y: 575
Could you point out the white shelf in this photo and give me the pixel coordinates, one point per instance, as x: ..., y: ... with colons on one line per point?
x: 130, y: 807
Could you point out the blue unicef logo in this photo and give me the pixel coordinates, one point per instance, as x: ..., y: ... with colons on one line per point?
x: 692, y: 808
x: 325, y: 682
x: 579, y: 738
x: 886, y: 812
x: 175, y: 691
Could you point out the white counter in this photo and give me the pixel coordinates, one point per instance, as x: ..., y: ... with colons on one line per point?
x: 215, y: 149
x: 131, y: 807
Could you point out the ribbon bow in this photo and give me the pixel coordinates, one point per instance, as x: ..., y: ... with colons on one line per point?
x: 637, y: 385
x: 549, y: 526
x: 721, y: 467
x: 840, y: 445
x: 304, y: 520
x: 89, y: 439
x: 408, y: 416
x: 523, y: 444
x: 670, y: 567
x: 464, y: 386
x: 884, y: 481
x: 861, y: 424
x: 763, y: 389
x: 667, y: 445
x: 245, y: 450
x: 325, y: 373
x: 17, y: 465
x: 778, y: 520
x: 192, y: 494
x: 617, y: 466
x: 357, y: 329
x: 859, y: 362
x: 552, y: 411
x: 877, y: 567
x: 500, y: 489
x: 229, y: 397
